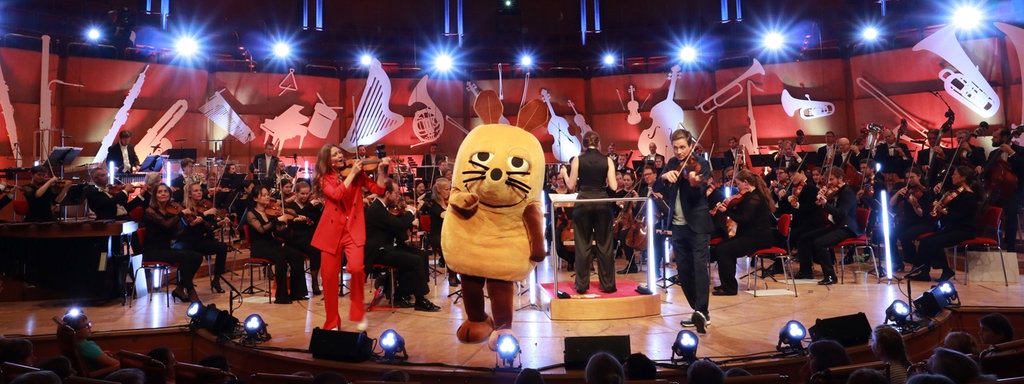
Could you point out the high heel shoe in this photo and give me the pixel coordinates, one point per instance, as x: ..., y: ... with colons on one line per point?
x: 215, y: 285
x: 192, y: 294
x: 180, y: 295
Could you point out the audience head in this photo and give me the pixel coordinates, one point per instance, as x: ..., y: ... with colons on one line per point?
x: 955, y: 365
x: 823, y: 354
x: 603, y: 368
x: 395, y: 375
x: 736, y: 372
x: 704, y: 372
x: 216, y: 361
x: 961, y: 342
x: 127, y: 376
x: 995, y: 329
x: 640, y: 367
x: 887, y: 344
x: 38, y: 377
x: 867, y: 376
x: 17, y: 351
x: 60, y: 365
x: 928, y: 378
x: 529, y: 376
x: 330, y: 377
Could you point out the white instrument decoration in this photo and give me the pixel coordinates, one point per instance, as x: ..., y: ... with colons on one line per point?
x: 471, y: 87
x: 565, y: 146
x: 292, y: 123
x: 373, y: 118
x: 288, y: 83
x: 1016, y: 36
x: 731, y: 91
x: 748, y: 141
x: 665, y: 117
x: 808, y: 109
x: 428, y: 122
x: 7, y: 109
x: 122, y: 115
x: 155, y: 141
x: 634, y: 107
x: 912, y: 121
x: 963, y: 81
x: 222, y: 115
x: 580, y: 120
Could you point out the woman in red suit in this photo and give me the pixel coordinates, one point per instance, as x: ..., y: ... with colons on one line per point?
x: 342, y: 230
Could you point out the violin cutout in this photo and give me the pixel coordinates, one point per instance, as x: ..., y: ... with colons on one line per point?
x: 634, y: 107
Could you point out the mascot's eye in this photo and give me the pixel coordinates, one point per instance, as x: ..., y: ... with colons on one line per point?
x: 481, y: 157
x: 518, y: 164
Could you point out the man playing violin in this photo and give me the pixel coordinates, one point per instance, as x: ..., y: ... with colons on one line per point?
x: 1005, y: 153
x: 840, y: 202
x: 201, y: 220
x: 912, y: 204
x: 685, y: 191
x: 648, y: 178
x: 307, y: 214
x: 43, y: 194
x: 109, y: 202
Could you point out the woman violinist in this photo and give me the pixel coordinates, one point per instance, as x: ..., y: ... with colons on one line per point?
x: 342, y: 230
x: 201, y: 220
x: 751, y: 208
x: 162, y: 221
x: 264, y: 225
x: 911, y: 204
x: 436, y: 207
x: 956, y: 211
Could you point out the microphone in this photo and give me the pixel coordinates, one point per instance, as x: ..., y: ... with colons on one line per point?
x: 181, y: 139
x: 295, y: 157
x: 799, y: 137
x: 65, y: 136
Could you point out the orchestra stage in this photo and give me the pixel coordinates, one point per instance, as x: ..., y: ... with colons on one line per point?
x: 740, y: 326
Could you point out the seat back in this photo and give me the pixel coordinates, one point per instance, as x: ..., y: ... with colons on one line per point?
x: 783, y: 225
x: 12, y: 370
x: 20, y: 207
x: 863, y: 214
x: 425, y: 223
x: 1003, y: 360
x: 839, y: 375
x: 185, y: 373
x: 137, y: 213
x: 69, y: 347
x: 270, y: 378
x: 156, y: 372
x: 989, y: 221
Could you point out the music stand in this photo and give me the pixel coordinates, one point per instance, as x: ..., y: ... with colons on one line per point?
x: 232, y: 181
x: 762, y: 160
x: 181, y: 153
x: 153, y: 163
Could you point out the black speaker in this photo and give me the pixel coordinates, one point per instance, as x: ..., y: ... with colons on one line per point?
x: 929, y: 304
x: 342, y: 346
x: 849, y: 330
x: 579, y: 349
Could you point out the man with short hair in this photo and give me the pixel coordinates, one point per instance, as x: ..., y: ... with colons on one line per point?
x: 107, y: 204
x: 264, y: 166
x: 122, y: 154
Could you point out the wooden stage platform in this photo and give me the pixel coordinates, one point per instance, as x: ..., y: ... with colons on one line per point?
x: 740, y: 325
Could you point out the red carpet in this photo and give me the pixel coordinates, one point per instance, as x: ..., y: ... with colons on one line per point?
x: 626, y: 288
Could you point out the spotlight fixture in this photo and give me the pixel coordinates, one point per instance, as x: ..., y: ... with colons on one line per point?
x: 507, y: 350
x: 774, y: 40
x: 949, y: 291
x: 898, y: 313
x: 443, y: 63
x: 194, y: 310
x: 870, y: 34
x: 526, y: 61
x: 255, y: 330
x: 685, y: 346
x: 967, y: 17
x: 93, y: 35
x: 791, y: 337
x: 187, y: 46
x: 392, y: 343
x: 365, y: 60
x: 73, y: 312
x: 688, y: 54
x: 608, y: 59
x: 282, y: 50
x: 934, y: 300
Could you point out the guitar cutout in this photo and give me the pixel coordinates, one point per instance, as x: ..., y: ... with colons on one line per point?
x: 666, y: 115
x: 472, y: 88
x: 565, y: 146
x: 634, y: 107
x: 579, y: 120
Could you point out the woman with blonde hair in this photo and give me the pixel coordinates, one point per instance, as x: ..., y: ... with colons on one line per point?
x: 437, y: 207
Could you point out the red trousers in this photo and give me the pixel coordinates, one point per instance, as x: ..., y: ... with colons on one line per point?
x: 330, y: 273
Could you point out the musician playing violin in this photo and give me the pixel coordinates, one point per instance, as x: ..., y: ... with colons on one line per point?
x: 932, y: 160
x: 265, y: 243
x: 106, y: 202
x: 894, y: 157
x: 648, y: 178
x: 751, y: 208
x: 912, y: 203
x: 307, y: 212
x: 1005, y: 157
x: 188, y: 175
x: 43, y: 194
x: 162, y: 221
x: 956, y: 210
x: 625, y: 216
x: 828, y: 150
x: 201, y: 220
x: 807, y: 214
x: 840, y: 201
x: 968, y: 154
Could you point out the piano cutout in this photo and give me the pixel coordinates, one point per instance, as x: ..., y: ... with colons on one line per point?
x: 373, y: 118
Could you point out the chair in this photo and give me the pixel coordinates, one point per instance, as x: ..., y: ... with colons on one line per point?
x: 270, y: 378
x: 264, y: 265
x: 768, y: 378
x: 20, y: 207
x: 776, y: 253
x: 1003, y: 360
x: 855, y: 243
x: 154, y: 369
x: 839, y: 375
x: 376, y: 272
x: 185, y: 373
x: 153, y: 267
x: 989, y: 220
x: 11, y: 371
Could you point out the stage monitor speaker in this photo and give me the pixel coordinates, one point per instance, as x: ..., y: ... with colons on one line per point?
x: 579, y: 349
x: 929, y: 304
x: 341, y: 346
x: 849, y: 330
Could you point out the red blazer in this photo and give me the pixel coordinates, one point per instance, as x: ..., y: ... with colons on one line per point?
x: 343, y: 211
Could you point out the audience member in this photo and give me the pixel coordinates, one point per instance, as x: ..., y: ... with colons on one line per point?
x: 17, y: 351
x: 821, y: 355
x: 928, y: 378
x: 98, y: 361
x: 640, y: 367
x: 956, y: 366
x: 165, y: 356
x: 867, y: 376
x: 39, y: 377
x: 995, y: 329
x: 962, y: 342
x: 888, y: 346
x: 127, y: 376
x: 529, y: 376
x: 737, y: 372
x: 603, y: 368
x: 216, y: 361
x: 330, y: 377
x: 395, y: 376
x: 704, y: 372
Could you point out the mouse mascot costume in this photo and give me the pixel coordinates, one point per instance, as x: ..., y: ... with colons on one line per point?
x: 493, y: 232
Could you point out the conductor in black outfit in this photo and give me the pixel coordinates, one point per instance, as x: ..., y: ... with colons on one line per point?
x: 591, y: 175
x: 120, y: 151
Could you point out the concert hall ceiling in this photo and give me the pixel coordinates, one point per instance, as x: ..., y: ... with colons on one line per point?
x: 407, y: 32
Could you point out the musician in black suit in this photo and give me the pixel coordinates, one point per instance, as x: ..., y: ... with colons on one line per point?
x: 894, y: 157
x: 840, y: 202
x: 1007, y: 197
x: 430, y: 164
x: 117, y: 154
x: 969, y: 154
x: 686, y: 194
x: 786, y: 157
x: 830, y: 142
x: 264, y: 166
x: 931, y: 165
x: 848, y: 154
x: 387, y: 225
x: 43, y: 194
x: 108, y: 205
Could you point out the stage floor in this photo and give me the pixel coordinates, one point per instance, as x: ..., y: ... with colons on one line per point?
x: 740, y: 325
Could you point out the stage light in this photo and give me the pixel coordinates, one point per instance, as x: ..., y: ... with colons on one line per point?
x: 869, y: 34
x: 255, y: 329
x: 688, y: 54
x: 194, y: 310
x: 608, y: 59
x: 93, y: 34
x: 791, y: 337
x: 526, y: 61
x: 186, y: 46
x: 685, y: 346
x: 774, y: 40
x: 949, y: 292
x: 507, y: 349
x: 898, y: 313
x: 443, y: 62
x: 392, y: 343
x: 73, y: 312
x: 967, y: 17
x: 282, y: 50
x: 365, y: 60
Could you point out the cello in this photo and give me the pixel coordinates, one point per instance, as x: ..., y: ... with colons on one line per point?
x: 999, y: 179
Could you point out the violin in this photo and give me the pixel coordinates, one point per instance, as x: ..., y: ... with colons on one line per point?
x: 173, y: 208
x: 274, y: 208
x: 940, y: 205
x: 370, y: 163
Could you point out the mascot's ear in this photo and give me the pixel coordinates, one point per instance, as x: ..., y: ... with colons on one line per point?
x: 534, y: 114
x: 488, y: 107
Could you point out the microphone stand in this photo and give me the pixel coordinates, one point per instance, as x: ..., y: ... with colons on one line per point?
x: 232, y: 294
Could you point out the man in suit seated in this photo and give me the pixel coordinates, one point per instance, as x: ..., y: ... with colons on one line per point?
x: 107, y: 204
x: 122, y: 154
x: 387, y: 226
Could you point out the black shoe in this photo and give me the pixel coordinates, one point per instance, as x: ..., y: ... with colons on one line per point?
x: 803, y: 275
x: 700, y: 321
x: 299, y: 298
x: 828, y: 280
x: 716, y: 288
x: 613, y: 290
x: 581, y: 291
x: 453, y: 280
x: 945, y: 276
x: 723, y: 292
x: 181, y: 296
x: 766, y: 273
x: 316, y: 291
x: 401, y: 302
x: 215, y: 285
x: 627, y: 270
x: 674, y: 279
x: 426, y: 306
x: 283, y: 301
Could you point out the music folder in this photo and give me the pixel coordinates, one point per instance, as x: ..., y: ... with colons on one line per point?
x: 61, y: 156
x: 153, y: 163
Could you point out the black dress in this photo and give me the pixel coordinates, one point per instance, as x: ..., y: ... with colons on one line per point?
x: 161, y: 231
x: 753, y: 231
x: 265, y: 244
